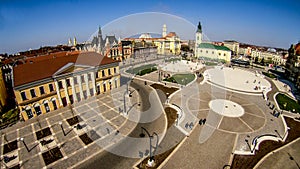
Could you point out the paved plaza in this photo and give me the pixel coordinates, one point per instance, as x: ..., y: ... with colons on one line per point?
x: 100, y: 118
x: 237, y: 79
x: 215, y: 120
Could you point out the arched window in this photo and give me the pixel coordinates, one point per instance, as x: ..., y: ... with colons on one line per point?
x: 28, y: 112
x: 37, y: 108
x: 53, y: 101
x: 47, y: 108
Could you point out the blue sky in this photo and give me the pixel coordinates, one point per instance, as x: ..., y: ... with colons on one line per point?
x: 28, y: 24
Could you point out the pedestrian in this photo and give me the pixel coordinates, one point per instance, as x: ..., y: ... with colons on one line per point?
x: 191, y: 125
x: 186, y: 125
x: 200, y: 122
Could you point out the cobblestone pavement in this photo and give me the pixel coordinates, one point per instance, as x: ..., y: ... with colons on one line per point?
x: 99, y: 117
x: 226, y: 133
x: 114, y: 130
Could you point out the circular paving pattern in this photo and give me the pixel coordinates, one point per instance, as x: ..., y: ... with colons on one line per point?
x: 226, y: 108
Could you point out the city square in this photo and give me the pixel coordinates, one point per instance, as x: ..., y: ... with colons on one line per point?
x: 190, y: 85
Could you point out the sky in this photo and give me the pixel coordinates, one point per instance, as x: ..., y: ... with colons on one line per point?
x: 26, y: 24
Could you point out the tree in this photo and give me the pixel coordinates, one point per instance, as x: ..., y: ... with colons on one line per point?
x: 256, y: 59
x: 262, y: 61
x: 185, y: 48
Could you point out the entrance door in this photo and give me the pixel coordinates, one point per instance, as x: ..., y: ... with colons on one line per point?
x: 54, y: 104
x: 104, y: 87
x: 64, y: 101
x: 29, y: 113
x: 47, y: 107
x: 98, y: 89
x: 37, y: 110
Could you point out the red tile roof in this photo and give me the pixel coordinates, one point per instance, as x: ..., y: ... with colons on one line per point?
x: 44, y: 67
x: 171, y: 34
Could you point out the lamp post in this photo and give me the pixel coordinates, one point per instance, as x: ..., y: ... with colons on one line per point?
x: 151, y: 158
x: 124, y: 101
x: 22, y: 139
x: 62, y: 128
x: 247, y: 141
x: 276, y: 131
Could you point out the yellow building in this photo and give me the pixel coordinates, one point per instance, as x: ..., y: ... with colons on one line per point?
x: 166, y: 44
x: 50, y: 82
x: 3, y: 92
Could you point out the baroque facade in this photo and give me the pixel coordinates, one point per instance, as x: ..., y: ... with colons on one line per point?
x: 58, y: 80
x: 209, y: 50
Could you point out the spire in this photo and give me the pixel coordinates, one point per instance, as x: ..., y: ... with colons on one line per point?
x: 199, y: 28
x: 119, y: 40
x: 75, y: 41
x: 99, y: 32
x: 164, y: 33
x: 70, y: 42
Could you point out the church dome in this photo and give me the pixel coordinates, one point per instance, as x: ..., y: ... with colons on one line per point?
x: 145, y: 35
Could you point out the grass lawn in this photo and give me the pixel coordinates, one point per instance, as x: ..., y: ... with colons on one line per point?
x: 286, y: 103
x: 182, y: 79
x: 139, y: 69
x: 172, y: 60
x: 146, y: 71
x: 270, y: 75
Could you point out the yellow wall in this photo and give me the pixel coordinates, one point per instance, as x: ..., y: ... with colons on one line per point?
x: 3, y: 92
x: 62, y: 93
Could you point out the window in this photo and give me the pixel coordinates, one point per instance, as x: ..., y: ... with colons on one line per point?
x: 109, y: 73
x: 201, y: 51
x: 219, y: 54
x: 115, y: 70
x: 32, y: 92
x: 212, y: 52
x: 29, y: 113
x: 68, y: 82
x: 60, y: 86
x: 51, y: 87
x: 37, y: 110
x: 42, y: 91
x: 206, y: 51
x: 54, y: 104
x: 103, y: 73
x: 224, y: 54
x: 23, y: 95
x: 97, y: 75
x: 47, y: 107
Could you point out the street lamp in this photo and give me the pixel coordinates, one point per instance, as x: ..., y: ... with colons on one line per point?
x: 22, y: 139
x: 247, y: 141
x: 276, y: 131
x: 124, y: 101
x: 62, y: 128
x: 151, y: 158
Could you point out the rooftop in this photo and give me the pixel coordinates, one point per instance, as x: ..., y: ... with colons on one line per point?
x: 212, y: 46
x: 45, y: 67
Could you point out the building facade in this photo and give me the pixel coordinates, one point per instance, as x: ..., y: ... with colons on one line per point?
x: 3, y: 91
x: 209, y: 50
x: 167, y: 44
x: 292, y: 65
x: 45, y: 85
x: 233, y: 45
